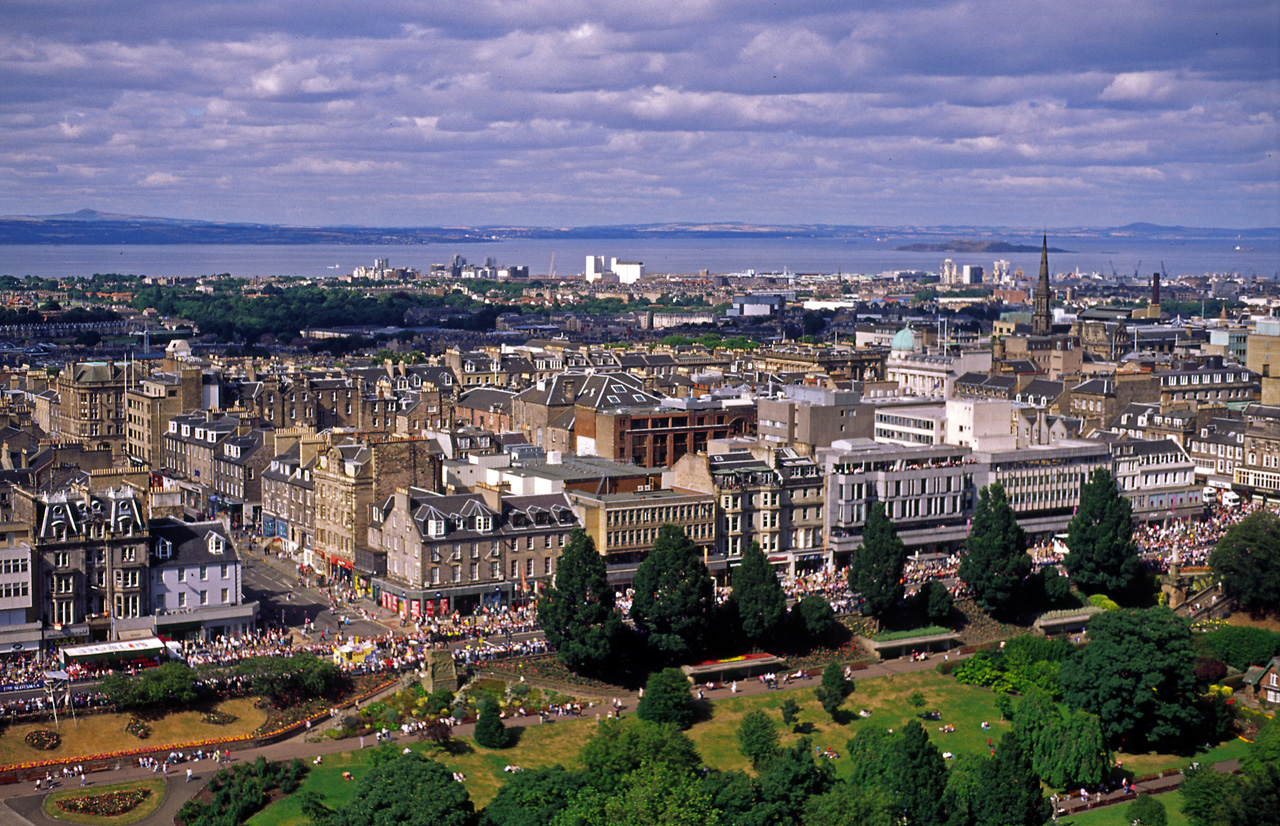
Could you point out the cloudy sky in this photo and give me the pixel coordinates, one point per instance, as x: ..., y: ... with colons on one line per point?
x: 574, y: 112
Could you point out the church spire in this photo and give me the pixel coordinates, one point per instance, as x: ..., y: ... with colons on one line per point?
x: 1041, y: 320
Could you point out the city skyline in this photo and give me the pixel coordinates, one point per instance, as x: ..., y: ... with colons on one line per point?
x: 596, y: 114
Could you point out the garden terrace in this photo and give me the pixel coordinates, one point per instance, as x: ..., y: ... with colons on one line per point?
x: 899, y: 643
x: 1067, y: 621
x: 734, y: 668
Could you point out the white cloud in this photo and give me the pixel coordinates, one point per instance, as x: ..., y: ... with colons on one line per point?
x: 160, y: 179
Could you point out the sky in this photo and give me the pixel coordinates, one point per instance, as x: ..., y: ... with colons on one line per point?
x: 594, y: 112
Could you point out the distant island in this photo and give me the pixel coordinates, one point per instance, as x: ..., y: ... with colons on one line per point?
x: 88, y: 226
x: 961, y: 245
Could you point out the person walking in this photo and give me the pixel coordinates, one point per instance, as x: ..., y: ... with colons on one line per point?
x: 188, y: 774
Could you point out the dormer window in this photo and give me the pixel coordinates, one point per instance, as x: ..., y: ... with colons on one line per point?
x: 217, y: 544
x: 164, y: 548
x: 435, y: 527
x: 460, y: 523
x: 199, y: 432
x: 484, y: 523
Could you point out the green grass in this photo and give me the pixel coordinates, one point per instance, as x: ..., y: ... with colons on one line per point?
x: 1115, y: 815
x: 962, y: 706
x: 142, y: 810
x: 912, y: 633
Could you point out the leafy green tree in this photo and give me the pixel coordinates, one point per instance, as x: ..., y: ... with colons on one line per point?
x: 1102, y: 555
x: 876, y: 565
x: 577, y: 612
x: 490, y: 731
x: 172, y: 685
x: 995, y: 560
x: 1008, y: 792
x: 762, y: 604
x: 790, y: 712
x: 617, y: 748
x: 848, y: 805
x: 1205, y: 795
x: 935, y: 601
x: 1241, y: 646
x: 674, y: 596
x: 532, y: 797
x: 915, y: 775
x: 736, y: 795
x: 408, y: 791
x: 813, y: 617
x: 757, y: 738
x: 866, y: 753
x: 1056, y: 586
x: 1265, y: 748
x: 667, y: 699
x: 650, y: 795
x: 835, y: 687
x: 916, y: 699
x: 1135, y: 674
x: 1147, y: 810
x: 791, y: 778
x: 1247, y: 560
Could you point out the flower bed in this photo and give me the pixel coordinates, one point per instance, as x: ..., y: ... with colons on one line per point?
x: 44, y: 739
x: 217, y: 718
x: 110, y: 804
x: 138, y: 728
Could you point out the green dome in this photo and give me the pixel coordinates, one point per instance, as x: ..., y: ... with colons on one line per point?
x: 904, y: 339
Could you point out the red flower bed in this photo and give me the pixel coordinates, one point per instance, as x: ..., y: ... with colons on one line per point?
x: 109, y: 804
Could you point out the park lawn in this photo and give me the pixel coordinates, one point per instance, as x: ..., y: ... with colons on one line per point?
x: 1141, y: 765
x: 93, y: 734
x: 1115, y: 815
x: 538, y: 745
x: 143, y: 809
x: 963, y: 706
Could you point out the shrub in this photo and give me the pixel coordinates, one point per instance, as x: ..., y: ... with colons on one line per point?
x: 1146, y: 811
x: 1208, y: 670
x: 138, y: 728
x: 1104, y: 602
x: 1242, y: 646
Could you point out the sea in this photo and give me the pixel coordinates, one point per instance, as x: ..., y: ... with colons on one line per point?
x: 1109, y: 256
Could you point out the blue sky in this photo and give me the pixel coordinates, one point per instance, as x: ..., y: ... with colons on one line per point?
x: 578, y: 112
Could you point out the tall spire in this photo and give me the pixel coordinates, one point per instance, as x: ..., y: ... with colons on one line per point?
x: 1041, y: 320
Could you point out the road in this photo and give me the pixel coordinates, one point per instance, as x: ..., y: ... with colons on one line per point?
x: 282, y: 600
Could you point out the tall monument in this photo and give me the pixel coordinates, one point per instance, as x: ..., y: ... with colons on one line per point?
x: 1041, y: 317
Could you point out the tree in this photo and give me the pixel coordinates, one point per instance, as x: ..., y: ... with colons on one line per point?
x: 532, y: 797
x: 757, y: 738
x: 667, y: 699
x: 814, y: 617
x: 876, y: 565
x: 792, y: 777
x: 935, y: 601
x: 1241, y: 646
x: 618, y: 748
x: 1147, y: 810
x: 848, y: 805
x: 1008, y: 792
x: 650, y: 795
x: 577, y: 611
x: 410, y: 790
x: 1205, y: 794
x: 916, y: 774
x: 916, y: 699
x: 490, y: 732
x: 1102, y: 555
x: 1247, y: 560
x: 762, y: 604
x: 834, y: 688
x: 1135, y: 674
x: 995, y: 560
x: 1265, y: 748
x: 790, y: 712
x: 674, y: 596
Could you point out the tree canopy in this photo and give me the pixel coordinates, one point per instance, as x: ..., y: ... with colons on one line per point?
x: 995, y: 560
x: 1101, y: 553
x: 410, y: 790
x: 674, y: 596
x: 1247, y: 560
x: 667, y: 699
x: 1136, y: 675
x: 762, y: 604
x: 876, y: 565
x: 577, y: 612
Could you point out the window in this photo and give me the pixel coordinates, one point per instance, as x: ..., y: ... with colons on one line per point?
x: 546, y: 566
x: 61, y: 559
x: 182, y: 574
x: 528, y: 566
x: 226, y: 596
x: 129, y: 555
x: 475, y: 570
x: 457, y: 573
x: 495, y: 570
x: 224, y: 570
x: 182, y: 600
x: 515, y: 568
x: 204, y: 597
x: 204, y: 573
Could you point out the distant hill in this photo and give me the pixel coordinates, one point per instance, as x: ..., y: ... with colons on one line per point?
x: 960, y: 245
x: 89, y: 226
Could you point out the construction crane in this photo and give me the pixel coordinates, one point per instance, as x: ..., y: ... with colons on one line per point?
x: 551, y: 271
x: 1135, y: 269
x: 1114, y: 274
